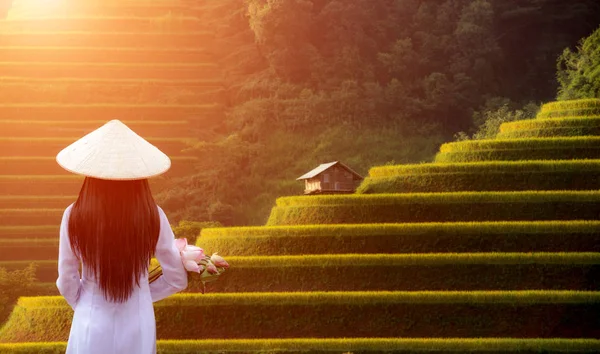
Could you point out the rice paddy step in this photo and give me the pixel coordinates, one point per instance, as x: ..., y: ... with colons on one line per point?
x: 511, y: 236
x: 166, y: 23
x: 18, y: 202
x: 124, y: 6
x: 104, y: 55
x: 569, y: 108
x: 141, y: 92
x: 571, y: 148
x: 29, y: 250
x: 34, y: 216
x: 485, y: 309
x: 437, y: 207
x: 348, y: 345
x: 70, y: 128
x: 28, y: 232
x: 484, y: 176
x: 36, y: 185
x: 553, y: 127
x: 473, y: 314
x: 172, y: 71
x: 106, y: 8
x: 8, y: 80
x: 108, y: 39
x: 377, y: 272
x: 206, y: 115
x: 409, y: 272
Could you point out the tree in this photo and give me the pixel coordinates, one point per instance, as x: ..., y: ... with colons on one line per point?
x: 192, y: 229
x: 14, y: 284
x: 578, y: 72
x: 281, y: 29
x: 493, y: 114
x: 366, y: 82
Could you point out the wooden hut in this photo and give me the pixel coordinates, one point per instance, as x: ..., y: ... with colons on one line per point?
x: 332, y: 177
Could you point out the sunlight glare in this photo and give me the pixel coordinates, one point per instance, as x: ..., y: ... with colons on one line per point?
x: 37, y: 8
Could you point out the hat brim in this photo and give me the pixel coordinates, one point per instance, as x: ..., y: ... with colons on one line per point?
x: 114, y: 152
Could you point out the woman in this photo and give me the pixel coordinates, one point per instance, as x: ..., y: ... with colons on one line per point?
x: 113, y: 229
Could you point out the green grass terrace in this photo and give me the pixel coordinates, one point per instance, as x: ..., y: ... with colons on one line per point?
x: 170, y: 71
x: 565, y: 148
x: 104, y: 55
x: 28, y: 232
x: 484, y: 176
x: 364, y: 272
x: 164, y: 23
x: 28, y: 215
x: 432, y: 237
x: 570, y: 108
x: 107, y: 39
x: 196, y: 114
x: 336, y: 345
x: 141, y: 92
x: 70, y: 128
x: 473, y: 314
x: 436, y: 207
x: 553, y: 127
x: 20, y: 202
x: 137, y: 8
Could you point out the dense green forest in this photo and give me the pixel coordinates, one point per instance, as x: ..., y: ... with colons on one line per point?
x: 373, y: 83
x: 579, y: 71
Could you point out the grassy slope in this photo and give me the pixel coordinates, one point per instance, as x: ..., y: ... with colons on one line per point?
x: 547, y: 236
x: 445, y: 271
x: 560, y: 109
x: 336, y: 345
x: 474, y: 314
x: 332, y: 299
x: 483, y: 176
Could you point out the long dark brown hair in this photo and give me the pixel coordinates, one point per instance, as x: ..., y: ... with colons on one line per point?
x: 113, y: 229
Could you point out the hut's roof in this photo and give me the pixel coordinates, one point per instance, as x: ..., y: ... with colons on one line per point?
x: 324, y: 167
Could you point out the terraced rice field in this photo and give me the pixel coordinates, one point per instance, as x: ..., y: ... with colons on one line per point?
x: 538, y: 128
x: 484, y: 176
x: 317, y: 345
x: 77, y: 39
x: 507, y: 217
x: 557, y: 148
x: 152, y: 66
x: 492, y: 248
x: 514, y: 314
x: 63, y: 75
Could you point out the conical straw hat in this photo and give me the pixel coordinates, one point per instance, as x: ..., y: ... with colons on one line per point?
x: 114, y: 152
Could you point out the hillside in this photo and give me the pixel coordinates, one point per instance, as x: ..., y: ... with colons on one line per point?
x: 153, y: 66
x: 366, y: 83
x: 490, y: 248
x: 404, y: 266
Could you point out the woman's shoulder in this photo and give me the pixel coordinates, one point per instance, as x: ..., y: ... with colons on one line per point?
x: 67, y: 211
x: 161, y: 212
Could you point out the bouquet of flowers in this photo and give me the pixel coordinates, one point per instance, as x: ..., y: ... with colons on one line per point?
x: 194, y: 260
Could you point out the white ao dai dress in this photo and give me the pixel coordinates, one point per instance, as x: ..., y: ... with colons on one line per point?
x: 103, y: 327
